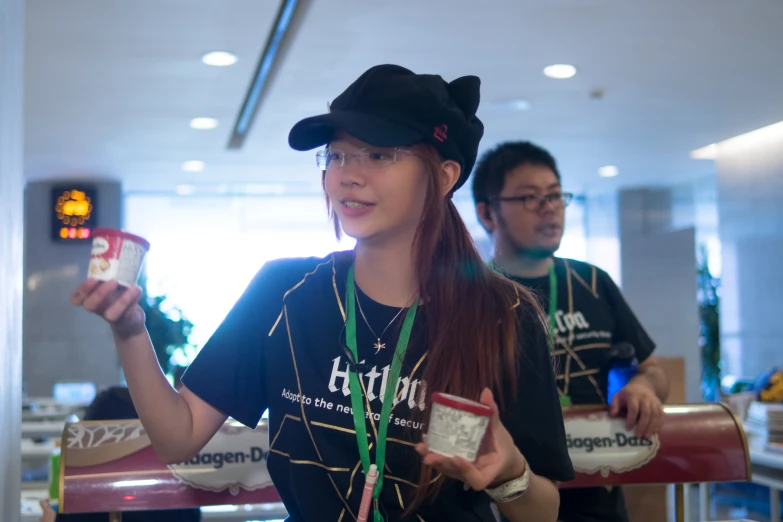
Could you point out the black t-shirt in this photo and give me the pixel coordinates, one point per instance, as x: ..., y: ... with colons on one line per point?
x: 283, y: 341
x: 591, y: 316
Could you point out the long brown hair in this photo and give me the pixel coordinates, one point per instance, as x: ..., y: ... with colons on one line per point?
x: 471, y: 310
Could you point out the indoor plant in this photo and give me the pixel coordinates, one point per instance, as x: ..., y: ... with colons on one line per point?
x: 709, y: 329
x: 168, y: 328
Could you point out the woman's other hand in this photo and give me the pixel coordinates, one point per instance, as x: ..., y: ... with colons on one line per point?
x: 499, y: 463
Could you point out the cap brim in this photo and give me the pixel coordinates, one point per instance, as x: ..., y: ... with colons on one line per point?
x: 319, y: 130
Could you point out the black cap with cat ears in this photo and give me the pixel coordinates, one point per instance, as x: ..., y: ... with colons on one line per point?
x: 390, y: 106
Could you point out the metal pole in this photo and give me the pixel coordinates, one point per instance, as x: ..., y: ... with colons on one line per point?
x: 705, y: 510
x: 679, y: 503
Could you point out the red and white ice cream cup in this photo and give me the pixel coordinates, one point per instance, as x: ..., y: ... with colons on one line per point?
x: 457, y: 426
x: 117, y: 256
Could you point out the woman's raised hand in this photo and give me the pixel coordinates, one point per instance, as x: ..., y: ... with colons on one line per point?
x: 117, y: 305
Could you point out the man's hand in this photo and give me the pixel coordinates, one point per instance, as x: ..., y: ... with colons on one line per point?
x: 47, y: 513
x: 641, y: 406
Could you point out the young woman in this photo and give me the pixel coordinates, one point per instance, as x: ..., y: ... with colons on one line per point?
x: 358, y: 341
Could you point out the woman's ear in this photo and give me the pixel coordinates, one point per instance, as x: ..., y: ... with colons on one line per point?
x: 451, y: 172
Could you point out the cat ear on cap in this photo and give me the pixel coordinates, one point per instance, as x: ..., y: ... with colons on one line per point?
x: 466, y: 91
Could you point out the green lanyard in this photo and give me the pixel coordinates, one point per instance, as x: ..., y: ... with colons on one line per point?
x: 552, y: 302
x: 357, y: 394
x: 564, y: 399
x: 552, y: 296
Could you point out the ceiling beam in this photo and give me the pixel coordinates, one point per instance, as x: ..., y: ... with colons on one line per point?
x: 279, y: 39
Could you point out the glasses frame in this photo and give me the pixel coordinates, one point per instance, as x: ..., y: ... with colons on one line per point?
x: 538, y: 203
x: 322, y: 161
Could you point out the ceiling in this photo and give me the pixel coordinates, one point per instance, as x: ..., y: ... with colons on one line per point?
x: 112, y: 86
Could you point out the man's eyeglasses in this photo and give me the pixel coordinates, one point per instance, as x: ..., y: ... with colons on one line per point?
x: 535, y: 202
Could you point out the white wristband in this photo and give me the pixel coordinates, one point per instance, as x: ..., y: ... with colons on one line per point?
x: 511, y: 490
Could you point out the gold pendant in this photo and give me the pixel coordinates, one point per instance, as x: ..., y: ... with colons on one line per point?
x: 379, y: 345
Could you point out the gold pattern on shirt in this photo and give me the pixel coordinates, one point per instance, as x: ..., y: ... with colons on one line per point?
x: 284, y: 317
x: 566, y: 347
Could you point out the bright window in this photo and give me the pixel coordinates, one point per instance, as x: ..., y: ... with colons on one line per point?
x: 205, y: 251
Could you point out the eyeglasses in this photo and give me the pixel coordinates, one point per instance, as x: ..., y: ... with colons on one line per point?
x: 535, y: 203
x: 367, y: 159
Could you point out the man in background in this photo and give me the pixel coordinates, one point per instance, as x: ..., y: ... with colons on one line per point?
x: 520, y: 202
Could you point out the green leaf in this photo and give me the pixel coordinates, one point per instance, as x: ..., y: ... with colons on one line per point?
x: 166, y: 333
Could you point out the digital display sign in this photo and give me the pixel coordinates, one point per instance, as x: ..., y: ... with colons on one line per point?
x: 74, y: 213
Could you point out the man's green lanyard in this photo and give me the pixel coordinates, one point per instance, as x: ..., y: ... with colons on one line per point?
x: 564, y: 400
x: 552, y: 304
x: 358, y: 396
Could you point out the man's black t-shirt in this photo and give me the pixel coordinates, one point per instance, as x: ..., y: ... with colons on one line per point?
x: 591, y: 316
x: 282, y: 347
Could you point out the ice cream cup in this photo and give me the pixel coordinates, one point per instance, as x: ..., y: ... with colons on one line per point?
x: 457, y: 426
x: 117, y: 255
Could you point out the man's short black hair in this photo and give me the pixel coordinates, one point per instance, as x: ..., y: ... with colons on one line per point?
x: 113, y: 403
x: 489, y: 176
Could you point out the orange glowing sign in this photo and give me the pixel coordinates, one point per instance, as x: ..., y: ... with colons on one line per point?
x: 73, y: 207
x: 73, y: 213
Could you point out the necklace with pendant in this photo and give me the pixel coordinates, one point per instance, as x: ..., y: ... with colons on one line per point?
x: 378, y: 345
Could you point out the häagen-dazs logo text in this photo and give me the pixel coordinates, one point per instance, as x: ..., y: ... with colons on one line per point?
x: 233, y: 460
x: 598, y: 444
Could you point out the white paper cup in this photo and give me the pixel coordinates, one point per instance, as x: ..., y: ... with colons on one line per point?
x: 457, y: 426
x: 117, y: 255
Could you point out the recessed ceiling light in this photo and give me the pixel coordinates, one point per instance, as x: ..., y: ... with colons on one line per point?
x: 193, y: 166
x: 560, y: 71
x: 519, y: 105
x: 608, y: 171
x: 513, y: 104
x: 219, y: 59
x: 185, y: 190
x: 203, y: 123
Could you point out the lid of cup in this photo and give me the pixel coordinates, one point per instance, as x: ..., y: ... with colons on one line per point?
x: 462, y: 404
x: 125, y: 235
